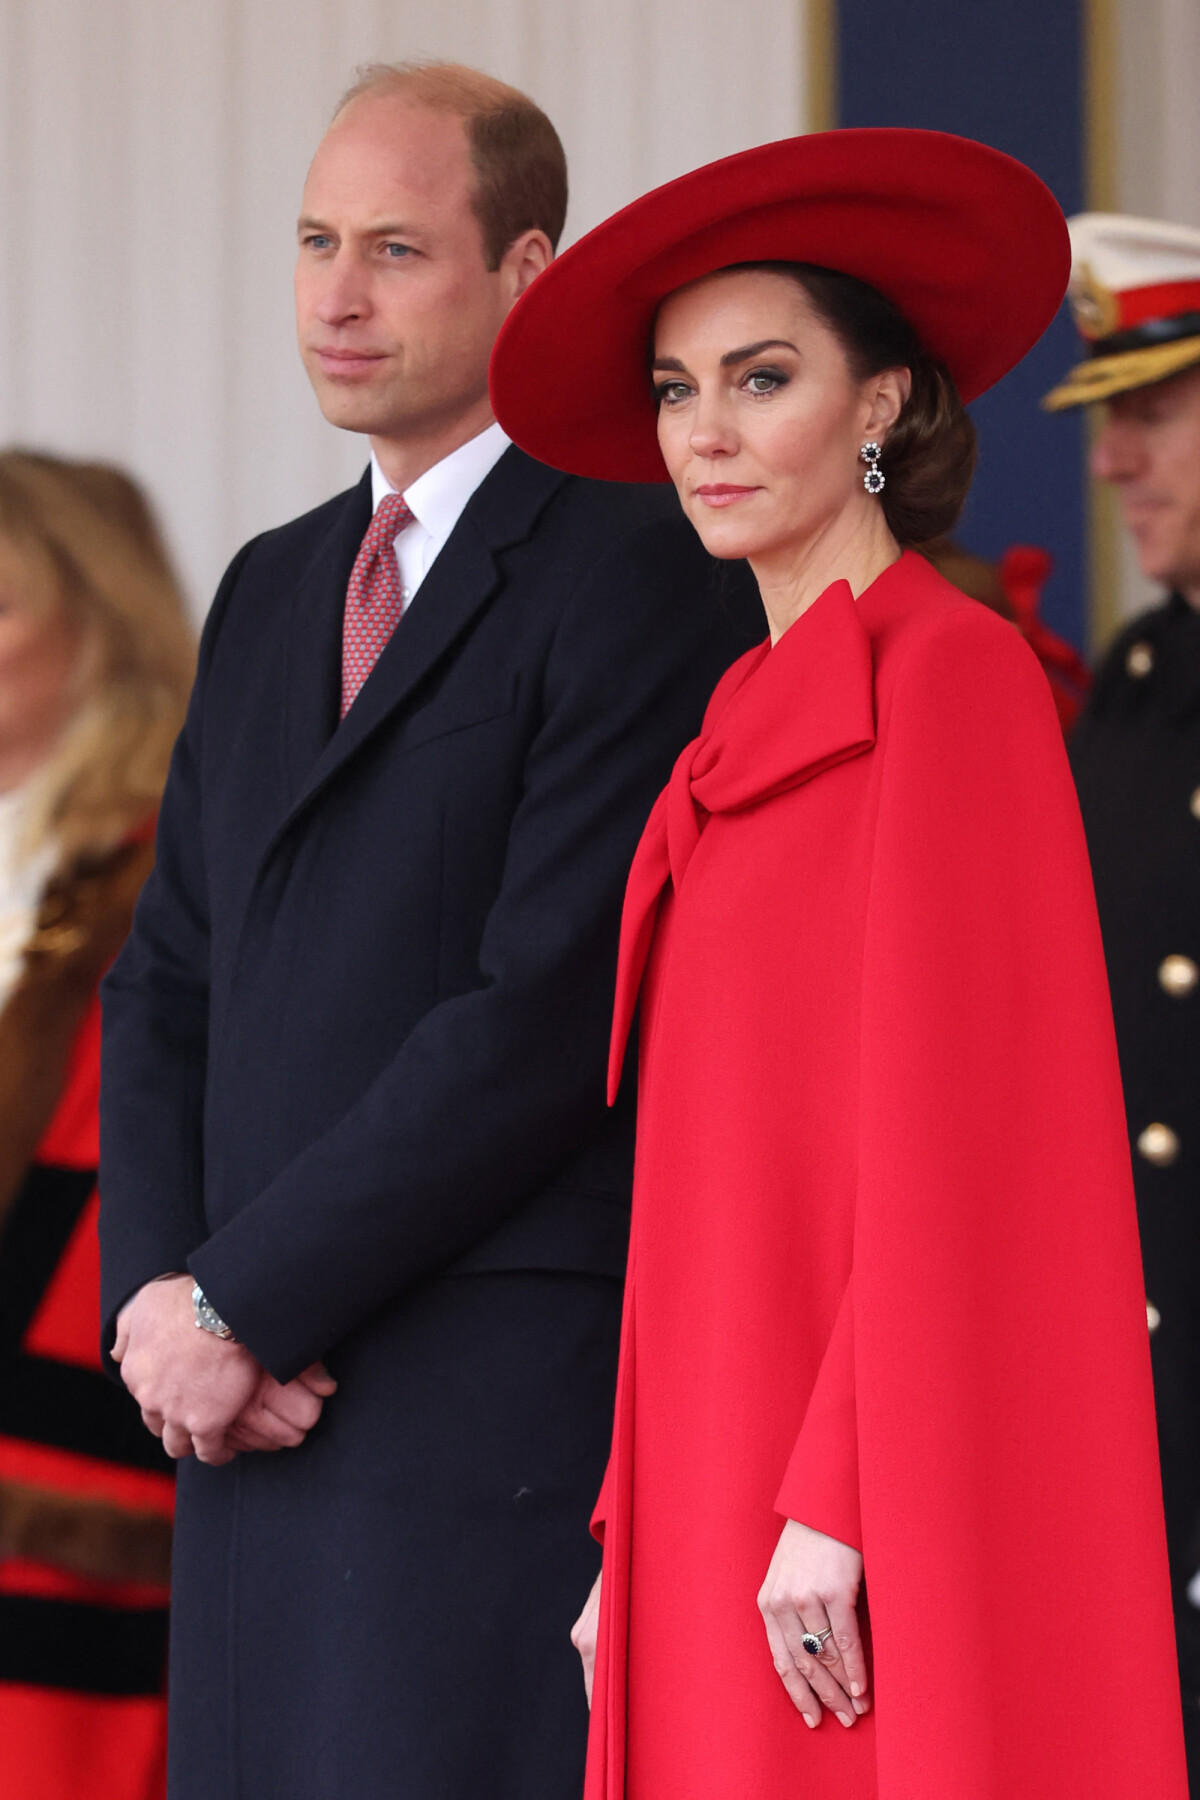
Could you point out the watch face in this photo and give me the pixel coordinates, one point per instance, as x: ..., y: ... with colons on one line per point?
x: 207, y: 1317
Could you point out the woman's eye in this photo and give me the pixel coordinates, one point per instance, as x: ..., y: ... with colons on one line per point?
x: 765, y: 381
x: 670, y: 393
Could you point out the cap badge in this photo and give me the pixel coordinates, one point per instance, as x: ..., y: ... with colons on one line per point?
x: 1097, y: 312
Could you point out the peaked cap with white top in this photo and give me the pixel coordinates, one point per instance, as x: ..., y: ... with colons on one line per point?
x: 1135, y: 296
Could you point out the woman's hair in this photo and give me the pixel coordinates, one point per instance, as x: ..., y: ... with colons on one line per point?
x: 80, y: 541
x: 520, y: 167
x: 929, y: 454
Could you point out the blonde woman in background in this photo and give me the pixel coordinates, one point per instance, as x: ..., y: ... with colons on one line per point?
x: 95, y: 664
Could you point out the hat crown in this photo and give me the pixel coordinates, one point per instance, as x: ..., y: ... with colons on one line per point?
x: 1135, y: 298
x: 1113, y: 254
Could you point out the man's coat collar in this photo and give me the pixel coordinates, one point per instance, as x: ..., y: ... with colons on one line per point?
x: 502, y: 512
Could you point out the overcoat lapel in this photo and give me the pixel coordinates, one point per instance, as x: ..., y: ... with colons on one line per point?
x: 463, y: 579
x: 314, y: 641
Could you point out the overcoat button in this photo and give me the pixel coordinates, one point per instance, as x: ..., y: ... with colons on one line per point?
x: 1153, y: 1317
x: 1139, y: 660
x: 1177, y: 976
x: 1159, y: 1145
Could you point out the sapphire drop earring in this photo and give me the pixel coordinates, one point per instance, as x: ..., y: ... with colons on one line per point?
x: 873, y: 480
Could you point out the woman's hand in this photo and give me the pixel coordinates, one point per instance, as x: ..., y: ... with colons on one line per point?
x: 583, y: 1634
x: 811, y: 1587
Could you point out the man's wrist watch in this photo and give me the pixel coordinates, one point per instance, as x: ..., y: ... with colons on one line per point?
x: 207, y: 1316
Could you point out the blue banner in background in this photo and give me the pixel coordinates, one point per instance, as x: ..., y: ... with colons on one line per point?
x: 1011, y: 76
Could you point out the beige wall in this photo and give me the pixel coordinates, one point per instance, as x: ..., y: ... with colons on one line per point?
x: 1158, y: 109
x: 153, y: 155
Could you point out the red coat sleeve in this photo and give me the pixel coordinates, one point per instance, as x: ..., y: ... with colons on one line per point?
x: 1008, y: 1468
x: 820, y: 1488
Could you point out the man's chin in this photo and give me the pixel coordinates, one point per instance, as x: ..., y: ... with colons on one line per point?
x: 350, y: 411
x: 353, y: 405
x: 1154, y: 557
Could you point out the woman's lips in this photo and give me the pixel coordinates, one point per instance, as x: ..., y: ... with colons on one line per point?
x: 721, y: 493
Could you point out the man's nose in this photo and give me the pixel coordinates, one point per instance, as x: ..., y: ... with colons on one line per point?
x: 1118, y: 453
x: 344, y: 295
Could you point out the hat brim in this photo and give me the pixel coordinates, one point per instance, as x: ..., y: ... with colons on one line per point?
x: 1103, y: 376
x: 967, y: 242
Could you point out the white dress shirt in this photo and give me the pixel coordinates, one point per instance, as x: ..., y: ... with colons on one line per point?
x: 436, y: 500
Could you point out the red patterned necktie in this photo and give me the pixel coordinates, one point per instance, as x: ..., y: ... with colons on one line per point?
x: 374, y: 597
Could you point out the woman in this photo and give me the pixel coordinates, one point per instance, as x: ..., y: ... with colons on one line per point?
x: 883, y: 1317
x: 95, y: 662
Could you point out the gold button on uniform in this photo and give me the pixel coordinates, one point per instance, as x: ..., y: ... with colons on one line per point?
x: 1177, y: 976
x: 1153, y: 1317
x: 1195, y: 803
x: 1159, y: 1145
x: 1139, y: 660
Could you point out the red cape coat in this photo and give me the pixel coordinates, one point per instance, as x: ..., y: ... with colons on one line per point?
x: 884, y: 1275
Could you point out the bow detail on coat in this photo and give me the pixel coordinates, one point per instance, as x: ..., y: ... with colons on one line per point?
x: 780, y: 716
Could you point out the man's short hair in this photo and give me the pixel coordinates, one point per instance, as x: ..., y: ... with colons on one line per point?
x: 520, y: 167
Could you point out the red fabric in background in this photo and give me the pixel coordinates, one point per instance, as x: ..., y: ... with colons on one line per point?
x: 57, y: 1744
x: 72, y: 1138
x: 66, y: 1326
x: 1023, y: 573
x: 884, y: 1273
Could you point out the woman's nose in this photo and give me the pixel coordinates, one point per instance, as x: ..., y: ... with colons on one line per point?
x: 712, y: 431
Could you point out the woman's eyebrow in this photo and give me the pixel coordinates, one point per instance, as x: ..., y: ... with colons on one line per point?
x: 748, y: 350
x: 731, y: 357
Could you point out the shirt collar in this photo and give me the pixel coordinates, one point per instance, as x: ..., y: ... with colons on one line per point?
x: 437, y: 498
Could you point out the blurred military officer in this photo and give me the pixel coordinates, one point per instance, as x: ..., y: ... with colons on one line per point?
x: 1135, y: 293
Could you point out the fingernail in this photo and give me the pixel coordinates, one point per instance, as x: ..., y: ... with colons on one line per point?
x: 855, y: 1688
x: 845, y: 1718
x: 860, y: 1706
x: 811, y: 1723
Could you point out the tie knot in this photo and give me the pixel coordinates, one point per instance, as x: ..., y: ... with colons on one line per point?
x: 391, y: 516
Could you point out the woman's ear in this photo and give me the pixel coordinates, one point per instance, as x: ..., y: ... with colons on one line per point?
x: 886, y: 393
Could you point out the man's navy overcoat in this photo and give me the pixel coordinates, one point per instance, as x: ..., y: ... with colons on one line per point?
x: 354, y: 1081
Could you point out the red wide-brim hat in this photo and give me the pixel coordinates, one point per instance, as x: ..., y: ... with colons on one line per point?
x: 967, y: 242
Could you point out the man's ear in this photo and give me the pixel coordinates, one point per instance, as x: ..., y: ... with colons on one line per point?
x: 523, y: 262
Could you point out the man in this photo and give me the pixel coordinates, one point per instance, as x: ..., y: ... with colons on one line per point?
x: 354, y: 1052
x: 1136, y: 755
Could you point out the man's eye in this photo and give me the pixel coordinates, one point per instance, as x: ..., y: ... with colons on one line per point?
x: 396, y: 251
x: 317, y: 240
